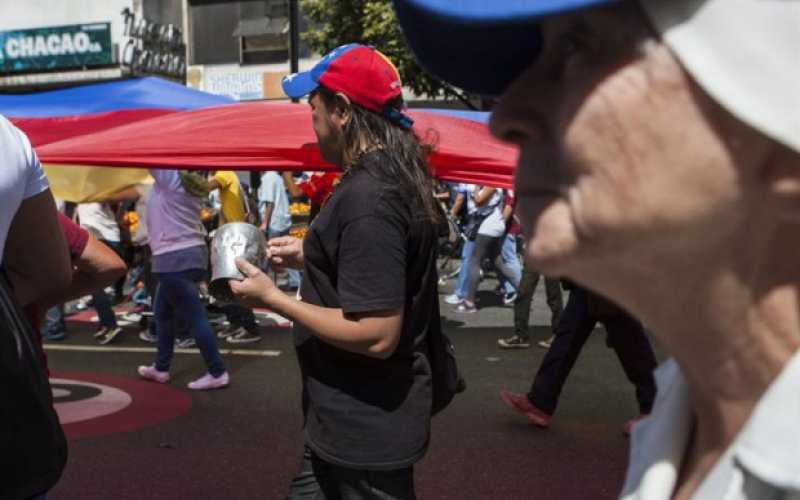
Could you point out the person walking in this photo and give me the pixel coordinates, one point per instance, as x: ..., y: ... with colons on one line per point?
x: 522, y: 309
x: 101, y: 222
x: 626, y: 336
x: 179, y: 262
x: 488, y: 244
x: 369, y: 293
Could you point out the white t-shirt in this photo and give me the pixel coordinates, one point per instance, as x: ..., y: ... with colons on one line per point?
x: 273, y: 190
x: 173, y: 215
x: 99, y: 220
x: 21, y: 176
x: 763, y: 462
x: 494, y: 225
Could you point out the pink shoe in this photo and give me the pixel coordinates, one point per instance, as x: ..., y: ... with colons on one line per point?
x: 209, y: 381
x: 150, y: 373
x: 521, y: 404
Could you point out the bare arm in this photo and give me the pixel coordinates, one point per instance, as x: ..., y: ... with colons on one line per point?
x: 213, y: 184
x: 291, y: 186
x: 508, y: 210
x: 97, y: 267
x: 36, y: 255
x: 483, y: 196
x: 457, y: 204
x: 374, y: 334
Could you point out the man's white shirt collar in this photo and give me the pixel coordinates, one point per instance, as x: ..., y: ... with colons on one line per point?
x: 767, y: 447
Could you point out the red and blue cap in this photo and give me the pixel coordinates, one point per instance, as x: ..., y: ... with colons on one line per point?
x: 480, y: 46
x: 367, y: 77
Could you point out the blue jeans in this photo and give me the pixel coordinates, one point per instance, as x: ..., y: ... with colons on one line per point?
x: 54, y: 325
x: 509, y: 255
x: 294, y: 275
x: 177, y: 296
x: 463, y: 271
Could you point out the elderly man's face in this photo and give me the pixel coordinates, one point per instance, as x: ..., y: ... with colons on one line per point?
x: 618, y: 161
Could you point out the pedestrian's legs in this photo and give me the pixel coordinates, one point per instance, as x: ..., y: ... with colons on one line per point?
x: 105, y: 313
x: 463, y: 272
x: 522, y: 306
x: 571, y: 334
x: 239, y: 315
x: 511, y: 272
x: 627, y: 337
x: 120, y: 283
x: 509, y: 254
x: 54, y: 326
x: 555, y: 300
x: 480, y: 249
x: 184, y: 294
x: 163, y: 327
x: 294, y: 277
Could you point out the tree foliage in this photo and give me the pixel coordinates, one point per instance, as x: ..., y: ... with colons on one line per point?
x: 371, y: 22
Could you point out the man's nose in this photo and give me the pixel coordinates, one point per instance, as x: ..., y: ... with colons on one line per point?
x: 517, y: 118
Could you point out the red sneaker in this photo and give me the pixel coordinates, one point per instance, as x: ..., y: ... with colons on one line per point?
x: 628, y: 427
x: 521, y: 404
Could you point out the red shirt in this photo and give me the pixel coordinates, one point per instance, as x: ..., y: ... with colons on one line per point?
x: 513, y: 223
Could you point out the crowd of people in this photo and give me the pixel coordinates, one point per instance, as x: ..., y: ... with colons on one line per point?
x: 657, y: 175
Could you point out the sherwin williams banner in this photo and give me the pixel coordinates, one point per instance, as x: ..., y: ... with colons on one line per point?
x: 46, y: 49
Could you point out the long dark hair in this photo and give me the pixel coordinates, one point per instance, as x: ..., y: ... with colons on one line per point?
x: 406, y: 167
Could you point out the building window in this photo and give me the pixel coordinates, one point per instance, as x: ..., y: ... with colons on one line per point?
x: 247, y: 32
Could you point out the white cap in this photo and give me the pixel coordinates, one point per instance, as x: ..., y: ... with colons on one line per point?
x: 744, y: 53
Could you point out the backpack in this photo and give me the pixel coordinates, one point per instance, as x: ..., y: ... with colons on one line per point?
x: 34, y: 449
x: 445, y: 377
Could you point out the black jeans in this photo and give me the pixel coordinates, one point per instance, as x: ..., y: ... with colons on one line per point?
x: 522, y: 305
x: 487, y: 247
x: 240, y: 316
x: 319, y: 480
x: 626, y: 336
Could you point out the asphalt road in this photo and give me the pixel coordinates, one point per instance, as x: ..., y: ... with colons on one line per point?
x: 244, y: 442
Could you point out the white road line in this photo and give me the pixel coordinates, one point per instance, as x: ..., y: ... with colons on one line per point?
x: 95, y: 348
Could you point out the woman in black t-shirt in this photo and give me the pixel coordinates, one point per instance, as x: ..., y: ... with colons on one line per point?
x: 368, y: 296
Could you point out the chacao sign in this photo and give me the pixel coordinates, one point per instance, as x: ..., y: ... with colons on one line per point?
x: 45, y: 49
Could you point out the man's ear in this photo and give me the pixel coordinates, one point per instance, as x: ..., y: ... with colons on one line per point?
x: 782, y: 179
x: 343, y: 108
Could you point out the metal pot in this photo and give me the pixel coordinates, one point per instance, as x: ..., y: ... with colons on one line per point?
x: 235, y: 239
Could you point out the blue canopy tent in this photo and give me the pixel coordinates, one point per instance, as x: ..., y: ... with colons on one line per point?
x: 136, y: 93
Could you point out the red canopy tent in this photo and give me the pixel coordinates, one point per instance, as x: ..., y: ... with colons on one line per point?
x: 273, y: 136
x: 42, y: 131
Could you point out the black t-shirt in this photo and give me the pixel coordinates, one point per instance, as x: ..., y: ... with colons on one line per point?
x: 369, y: 250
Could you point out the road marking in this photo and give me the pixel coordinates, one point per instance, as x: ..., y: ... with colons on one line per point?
x: 95, y: 348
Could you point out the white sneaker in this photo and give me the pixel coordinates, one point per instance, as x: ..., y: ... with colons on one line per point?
x: 209, y: 381
x: 110, y: 336
x: 453, y: 299
x: 150, y: 373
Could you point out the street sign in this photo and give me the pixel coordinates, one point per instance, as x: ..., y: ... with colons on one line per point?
x: 56, y: 47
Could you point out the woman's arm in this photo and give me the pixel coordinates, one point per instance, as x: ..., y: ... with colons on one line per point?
x: 373, y: 334
x: 457, y: 204
x: 483, y: 196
